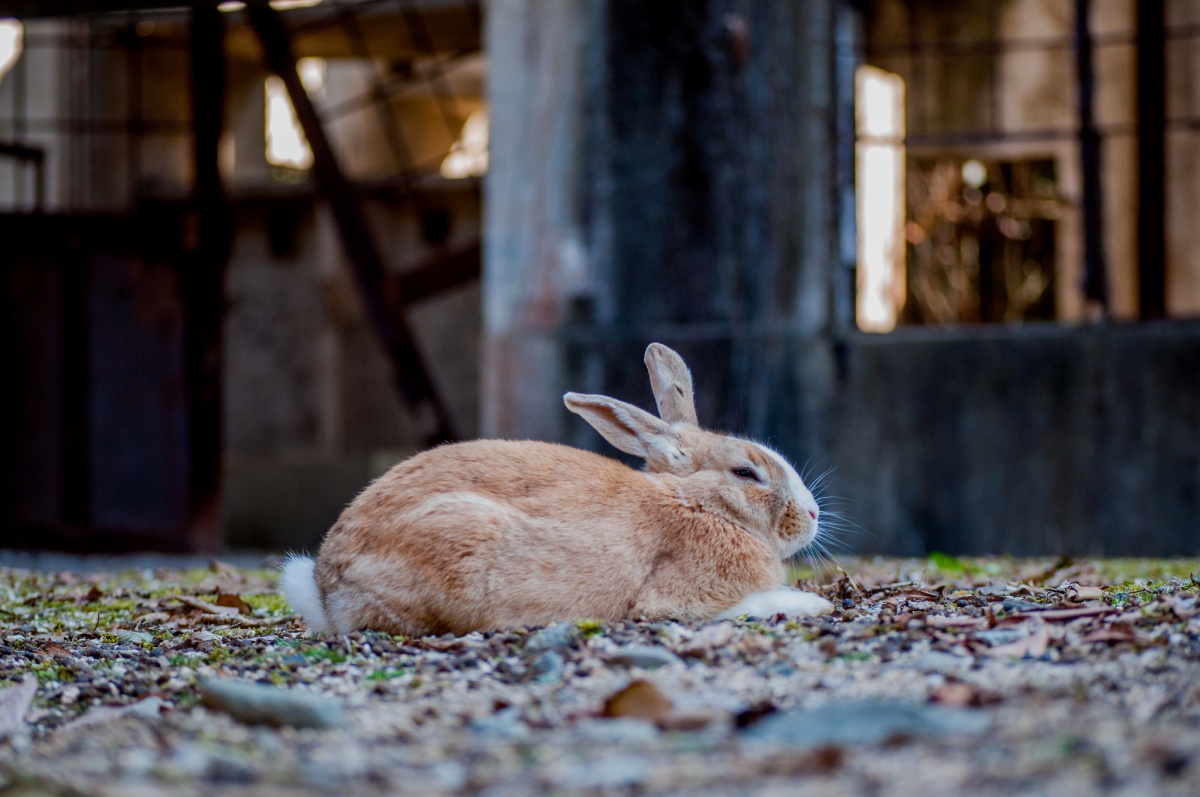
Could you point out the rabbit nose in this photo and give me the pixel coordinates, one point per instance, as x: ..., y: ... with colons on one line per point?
x: 812, y: 513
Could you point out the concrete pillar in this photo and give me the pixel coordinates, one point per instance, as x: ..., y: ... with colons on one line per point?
x: 658, y: 171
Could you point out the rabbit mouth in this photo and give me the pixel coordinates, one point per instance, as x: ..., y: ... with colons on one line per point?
x: 795, y: 528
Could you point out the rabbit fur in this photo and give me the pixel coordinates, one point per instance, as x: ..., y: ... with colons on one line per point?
x: 494, y: 534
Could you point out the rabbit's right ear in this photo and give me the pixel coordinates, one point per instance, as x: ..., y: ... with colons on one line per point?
x: 671, y: 382
x: 629, y: 429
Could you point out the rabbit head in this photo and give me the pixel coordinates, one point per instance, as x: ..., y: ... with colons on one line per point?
x: 741, y: 481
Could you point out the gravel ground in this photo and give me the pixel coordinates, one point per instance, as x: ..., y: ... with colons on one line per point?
x: 934, y: 677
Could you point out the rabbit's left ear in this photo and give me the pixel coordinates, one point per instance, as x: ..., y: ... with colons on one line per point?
x: 629, y: 429
x: 671, y: 382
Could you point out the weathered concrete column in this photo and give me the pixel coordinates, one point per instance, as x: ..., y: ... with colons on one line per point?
x: 659, y: 171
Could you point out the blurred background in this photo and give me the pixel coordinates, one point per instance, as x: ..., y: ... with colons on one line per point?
x: 253, y: 254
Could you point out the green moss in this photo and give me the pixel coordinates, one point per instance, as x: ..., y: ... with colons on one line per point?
x: 388, y: 673
x: 590, y: 628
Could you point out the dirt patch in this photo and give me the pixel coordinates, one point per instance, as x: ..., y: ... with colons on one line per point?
x: 939, y: 676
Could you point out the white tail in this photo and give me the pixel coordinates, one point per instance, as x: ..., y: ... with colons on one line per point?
x: 299, y: 586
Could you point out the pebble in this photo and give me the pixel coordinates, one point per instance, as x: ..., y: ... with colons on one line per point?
x: 271, y: 705
x: 617, y: 730
x: 559, y: 636
x: 940, y: 662
x: 648, y: 657
x: 863, y: 722
x: 613, y: 772
x: 547, y: 668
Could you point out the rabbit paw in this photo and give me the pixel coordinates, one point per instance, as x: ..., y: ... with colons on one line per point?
x: 790, y: 602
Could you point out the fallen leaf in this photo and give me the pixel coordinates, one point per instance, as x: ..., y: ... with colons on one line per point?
x: 233, y: 602
x: 1076, y: 593
x: 1033, y: 646
x: 205, y: 606
x: 640, y: 699
x: 1067, y: 614
x: 94, y: 594
x: 643, y: 700
x: 137, y: 637
x: 54, y: 651
x: 943, y: 621
x: 15, y: 702
x: 1118, y: 633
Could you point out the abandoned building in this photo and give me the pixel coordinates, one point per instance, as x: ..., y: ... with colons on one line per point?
x: 255, y: 253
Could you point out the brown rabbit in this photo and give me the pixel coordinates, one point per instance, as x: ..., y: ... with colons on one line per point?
x: 495, y: 533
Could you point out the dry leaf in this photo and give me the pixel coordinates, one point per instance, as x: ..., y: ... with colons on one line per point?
x: 1033, y: 646
x: 643, y: 700
x: 15, y: 702
x: 233, y: 602
x: 1118, y: 633
x: 943, y: 621
x: 94, y: 594
x: 640, y: 699
x: 205, y: 606
x: 1076, y: 593
x: 54, y: 651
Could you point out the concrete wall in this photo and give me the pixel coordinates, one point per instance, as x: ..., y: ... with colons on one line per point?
x: 1035, y: 440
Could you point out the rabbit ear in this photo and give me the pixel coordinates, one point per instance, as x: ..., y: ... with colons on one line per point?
x: 628, y: 428
x: 672, y: 384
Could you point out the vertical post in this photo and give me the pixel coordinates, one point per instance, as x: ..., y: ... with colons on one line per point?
x: 1151, y: 120
x: 660, y: 171
x: 209, y: 237
x: 1095, y: 277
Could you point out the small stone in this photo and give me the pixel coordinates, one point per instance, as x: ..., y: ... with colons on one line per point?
x: 547, y: 668
x: 617, y: 730
x: 1018, y: 605
x: 941, y: 662
x: 271, y: 705
x: 1000, y: 636
x: 559, y: 636
x: 863, y: 722
x: 647, y: 657
x: 613, y: 772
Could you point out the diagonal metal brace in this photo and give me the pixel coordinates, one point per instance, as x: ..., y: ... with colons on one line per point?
x: 386, y: 311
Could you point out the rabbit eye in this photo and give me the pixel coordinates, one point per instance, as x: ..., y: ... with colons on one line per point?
x: 746, y: 473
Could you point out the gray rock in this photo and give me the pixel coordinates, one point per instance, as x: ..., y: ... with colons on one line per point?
x: 1001, y: 636
x: 941, y: 662
x: 613, y: 772
x: 547, y: 668
x: 559, y: 636
x: 648, y: 657
x: 271, y: 705
x: 617, y: 730
x: 864, y: 722
x: 1018, y: 605
x: 504, y: 724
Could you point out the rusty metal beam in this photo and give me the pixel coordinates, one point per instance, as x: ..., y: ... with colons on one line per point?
x: 202, y: 277
x: 385, y: 310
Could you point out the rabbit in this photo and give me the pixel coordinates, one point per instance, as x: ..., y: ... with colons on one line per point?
x: 493, y: 534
